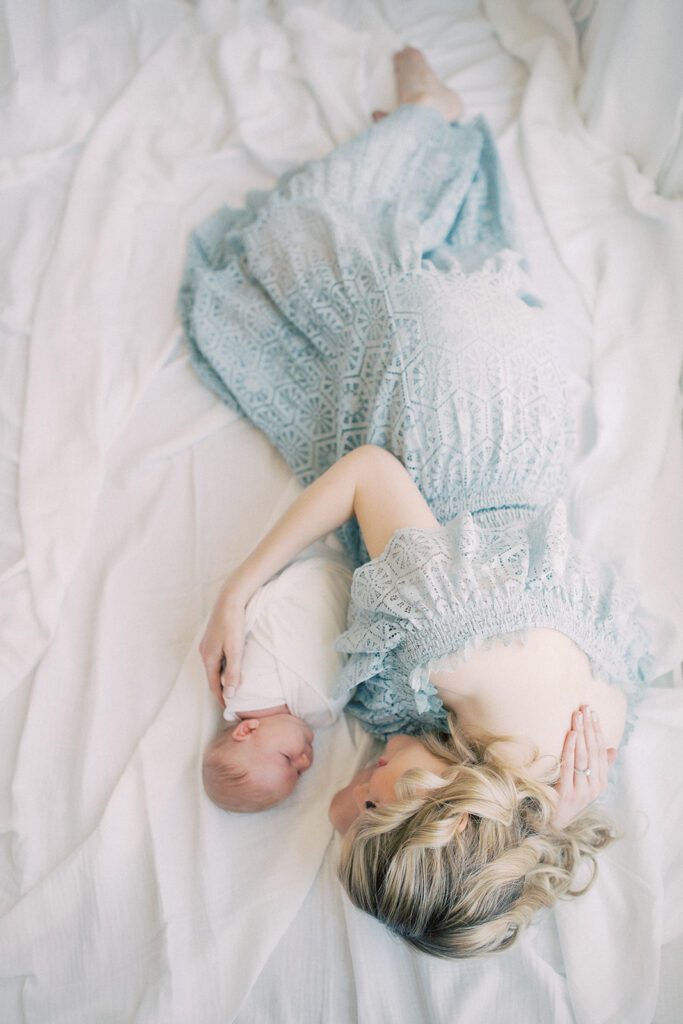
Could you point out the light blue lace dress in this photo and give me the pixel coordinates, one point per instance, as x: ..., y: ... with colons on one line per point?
x: 376, y: 296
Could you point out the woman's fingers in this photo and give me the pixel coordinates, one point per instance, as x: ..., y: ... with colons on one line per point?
x: 591, y: 775
x: 212, y: 665
x: 601, y: 759
x: 599, y: 755
x: 590, y: 737
x: 580, y: 750
x: 565, y: 782
x: 593, y: 756
x: 231, y: 669
x: 211, y: 650
x: 591, y: 753
x: 222, y: 646
x: 227, y: 683
x: 584, y: 748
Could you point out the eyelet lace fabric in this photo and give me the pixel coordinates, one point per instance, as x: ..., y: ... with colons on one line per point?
x: 482, y: 576
x: 376, y: 296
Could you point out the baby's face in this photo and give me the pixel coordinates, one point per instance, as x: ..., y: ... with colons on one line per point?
x: 271, y: 752
x: 283, y: 742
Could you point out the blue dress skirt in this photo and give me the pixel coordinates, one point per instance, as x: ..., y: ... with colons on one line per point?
x: 376, y: 295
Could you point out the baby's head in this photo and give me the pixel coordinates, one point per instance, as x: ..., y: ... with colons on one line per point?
x: 257, y: 762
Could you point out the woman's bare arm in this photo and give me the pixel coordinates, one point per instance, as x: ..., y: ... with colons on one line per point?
x: 369, y: 483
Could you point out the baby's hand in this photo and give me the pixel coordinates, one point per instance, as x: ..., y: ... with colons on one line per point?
x: 584, y: 764
x: 222, y: 645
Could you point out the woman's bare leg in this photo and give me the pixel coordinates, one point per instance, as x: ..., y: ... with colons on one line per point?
x: 416, y: 83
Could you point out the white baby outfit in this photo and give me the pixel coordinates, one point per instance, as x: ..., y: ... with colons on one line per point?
x: 292, y: 623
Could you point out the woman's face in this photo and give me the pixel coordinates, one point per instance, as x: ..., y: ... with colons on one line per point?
x: 376, y: 784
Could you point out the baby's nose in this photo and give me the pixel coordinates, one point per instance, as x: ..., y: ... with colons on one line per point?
x: 302, y: 762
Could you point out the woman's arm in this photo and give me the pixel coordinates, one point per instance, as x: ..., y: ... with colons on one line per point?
x: 369, y: 483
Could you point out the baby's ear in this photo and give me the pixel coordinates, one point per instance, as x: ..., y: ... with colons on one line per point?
x: 244, y: 729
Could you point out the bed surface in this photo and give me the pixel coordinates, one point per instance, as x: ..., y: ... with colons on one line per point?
x: 128, y: 492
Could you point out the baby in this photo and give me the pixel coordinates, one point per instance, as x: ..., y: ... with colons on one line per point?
x: 289, y: 670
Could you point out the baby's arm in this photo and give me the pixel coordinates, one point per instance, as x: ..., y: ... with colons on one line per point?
x: 369, y: 483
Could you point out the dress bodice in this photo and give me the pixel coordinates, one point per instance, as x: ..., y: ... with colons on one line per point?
x: 481, y: 576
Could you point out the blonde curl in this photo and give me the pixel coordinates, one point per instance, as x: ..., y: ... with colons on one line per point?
x: 461, y: 862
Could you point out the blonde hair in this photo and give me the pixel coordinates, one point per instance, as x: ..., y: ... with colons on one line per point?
x: 461, y: 862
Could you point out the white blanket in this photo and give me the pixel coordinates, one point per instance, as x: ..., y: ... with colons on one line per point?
x: 125, y: 895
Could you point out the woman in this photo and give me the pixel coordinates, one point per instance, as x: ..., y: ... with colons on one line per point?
x: 371, y: 316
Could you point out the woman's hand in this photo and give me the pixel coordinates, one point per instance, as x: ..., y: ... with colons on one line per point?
x: 222, y: 645
x: 584, y: 764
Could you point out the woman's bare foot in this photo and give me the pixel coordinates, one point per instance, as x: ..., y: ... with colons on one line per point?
x: 417, y: 83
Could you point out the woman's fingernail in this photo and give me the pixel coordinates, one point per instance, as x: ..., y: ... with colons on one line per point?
x: 229, y: 691
x: 579, y: 717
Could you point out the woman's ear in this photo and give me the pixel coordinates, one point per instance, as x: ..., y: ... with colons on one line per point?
x: 244, y: 729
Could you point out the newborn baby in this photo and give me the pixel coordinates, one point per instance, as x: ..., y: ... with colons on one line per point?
x: 288, y: 674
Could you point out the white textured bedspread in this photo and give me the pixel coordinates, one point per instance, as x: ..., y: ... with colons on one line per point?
x: 128, y: 492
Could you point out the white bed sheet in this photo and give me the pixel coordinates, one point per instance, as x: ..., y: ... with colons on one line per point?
x: 128, y: 492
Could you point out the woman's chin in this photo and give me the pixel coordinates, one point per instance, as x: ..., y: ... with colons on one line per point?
x: 331, y: 815
x: 342, y: 810
x: 334, y: 809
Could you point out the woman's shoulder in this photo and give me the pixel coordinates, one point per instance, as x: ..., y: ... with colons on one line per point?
x: 474, y: 559
x: 491, y: 574
x: 528, y: 684
x: 519, y: 558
